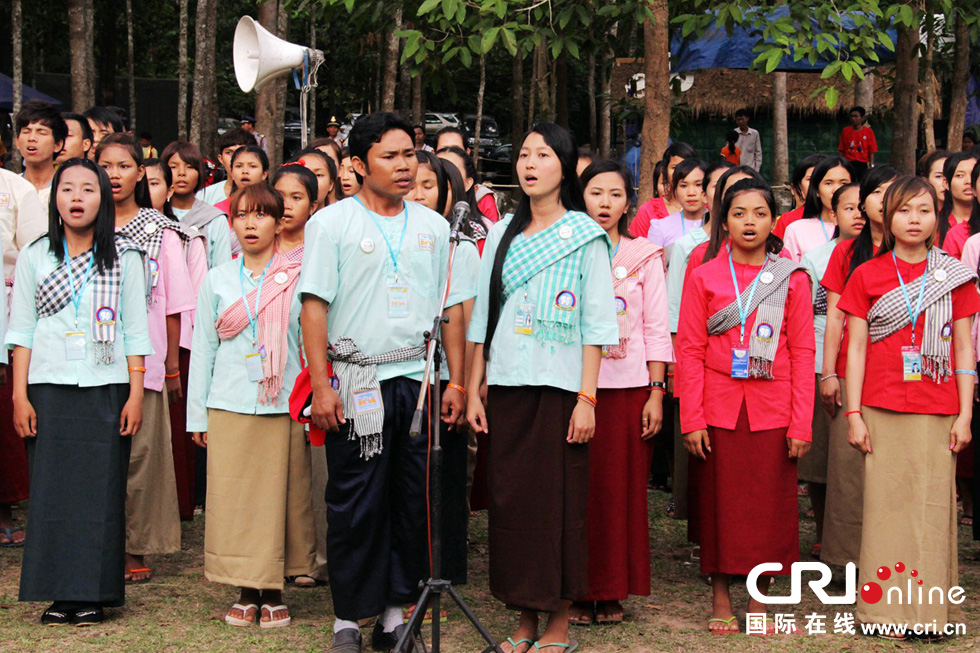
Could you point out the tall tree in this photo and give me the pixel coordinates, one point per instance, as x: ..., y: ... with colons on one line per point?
x: 904, y: 125
x: 17, y: 28
x: 928, y: 91
x: 204, y: 110
x: 130, y: 66
x: 391, y: 64
x: 269, y: 102
x: 182, y: 80
x: 517, y: 102
x: 958, y: 83
x: 656, y: 113
x: 780, y: 140
x: 479, y: 110
x: 81, y: 45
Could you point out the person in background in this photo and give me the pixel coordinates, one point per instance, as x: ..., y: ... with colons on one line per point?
x: 969, y: 140
x: 748, y: 141
x: 585, y: 159
x: 146, y: 142
x: 663, y: 203
x: 732, y: 152
x: 103, y: 121
x: 800, y: 186
x: 420, y: 144
x: 41, y: 134
x: 350, y: 185
x: 858, y: 144
x: 333, y: 131
x: 452, y: 137
x: 248, y: 124
x: 228, y: 142
x: 930, y: 168
x: 78, y: 144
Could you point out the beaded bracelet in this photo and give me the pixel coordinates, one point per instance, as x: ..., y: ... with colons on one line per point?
x: 967, y: 372
x: 456, y: 386
x: 589, y: 399
x: 828, y: 377
x: 137, y: 369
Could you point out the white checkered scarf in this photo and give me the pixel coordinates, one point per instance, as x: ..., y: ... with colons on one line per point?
x: 770, y: 300
x: 54, y: 293
x: 358, y: 372
x: 136, y: 231
x: 890, y: 313
x: 820, y: 301
x: 632, y: 253
x: 561, y: 261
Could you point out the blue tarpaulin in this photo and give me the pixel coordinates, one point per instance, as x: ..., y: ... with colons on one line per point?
x: 715, y: 48
x: 7, y: 94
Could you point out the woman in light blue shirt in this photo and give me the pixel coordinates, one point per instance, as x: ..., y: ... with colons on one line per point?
x: 244, y: 361
x: 79, y: 335
x: 544, y: 309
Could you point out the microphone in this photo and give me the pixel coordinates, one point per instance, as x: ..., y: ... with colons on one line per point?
x: 461, y: 211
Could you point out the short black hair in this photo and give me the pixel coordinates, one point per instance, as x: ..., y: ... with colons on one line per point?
x: 233, y: 137
x: 147, y: 135
x: 859, y: 109
x: 82, y: 122
x: 742, y: 112
x: 252, y: 149
x: 450, y: 130
x: 370, y: 129
x: 106, y: 116
x: 419, y: 127
x: 44, y: 113
x: 305, y: 176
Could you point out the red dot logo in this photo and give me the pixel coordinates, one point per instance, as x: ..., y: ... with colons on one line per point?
x: 914, y: 573
x: 899, y: 567
x: 920, y: 581
x: 871, y: 593
x: 884, y: 573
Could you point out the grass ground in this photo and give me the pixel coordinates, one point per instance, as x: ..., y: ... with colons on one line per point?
x: 180, y: 611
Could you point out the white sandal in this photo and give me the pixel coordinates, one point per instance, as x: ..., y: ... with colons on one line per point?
x: 274, y: 623
x: 243, y: 622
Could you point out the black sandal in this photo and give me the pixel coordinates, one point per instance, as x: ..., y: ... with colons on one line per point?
x: 88, y: 616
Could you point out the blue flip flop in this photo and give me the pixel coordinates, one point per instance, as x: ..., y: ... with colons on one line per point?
x: 9, y: 534
x: 520, y: 642
x: 566, y: 648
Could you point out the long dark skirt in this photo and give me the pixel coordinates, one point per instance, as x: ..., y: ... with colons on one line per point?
x: 13, y: 457
x: 184, y: 449
x: 77, y: 519
x: 455, y: 516
x: 539, y: 491
x: 747, y: 504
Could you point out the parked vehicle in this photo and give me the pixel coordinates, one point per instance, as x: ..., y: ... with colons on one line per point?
x: 434, y: 121
x: 489, y: 131
x: 496, y: 166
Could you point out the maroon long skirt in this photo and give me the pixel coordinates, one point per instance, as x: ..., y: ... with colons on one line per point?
x: 14, y: 479
x: 185, y: 451
x: 619, y: 531
x: 747, y: 503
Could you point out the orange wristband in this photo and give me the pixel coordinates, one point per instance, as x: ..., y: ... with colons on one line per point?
x: 589, y: 399
x: 137, y: 369
x: 175, y: 375
x: 456, y: 386
x: 852, y: 412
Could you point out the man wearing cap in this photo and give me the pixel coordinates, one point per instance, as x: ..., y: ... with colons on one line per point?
x: 333, y: 131
x: 248, y: 124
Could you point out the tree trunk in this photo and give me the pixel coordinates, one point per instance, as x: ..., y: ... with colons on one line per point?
x: 561, y: 90
x: 864, y: 91
x: 928, y: 90
x: 16, y: 29
x: 960, y: 79
x: 275, y: 132
x: 553, y: 91
x: 391, y: 64
x: 417, y: 104
x: 605, y: 103
x: 517, y: 104
x: 531, y: 92
x: 656, y: 115
x: 591, y: 92
x: 544, y: 95
x: 780, y: 137
x: 81, y: 45
x: 904, y: 131
x: 182, y: 73
x: 404, y: 90
x: 130, y: 74
x: 204, y: 110
x: 479, y: 111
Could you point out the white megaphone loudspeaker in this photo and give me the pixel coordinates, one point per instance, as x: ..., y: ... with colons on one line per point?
x: 260, y: 55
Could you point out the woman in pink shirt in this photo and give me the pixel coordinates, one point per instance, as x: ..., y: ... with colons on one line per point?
x: 152, y: 517
x: 745, y: 360
x: 816, y: 226
x: 663, y: 202
x: 630, y: 410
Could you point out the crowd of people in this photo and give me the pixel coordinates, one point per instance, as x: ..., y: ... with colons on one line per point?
x: 276, y: 319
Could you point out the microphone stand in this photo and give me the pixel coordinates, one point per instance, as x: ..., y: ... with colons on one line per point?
x: 436, y: 585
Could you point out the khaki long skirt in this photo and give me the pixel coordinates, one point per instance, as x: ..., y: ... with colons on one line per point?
x: 152, y: 511
x: 259, y: 523
x: 909, y: 517
x: 845, y: 494
x: 813, y: 466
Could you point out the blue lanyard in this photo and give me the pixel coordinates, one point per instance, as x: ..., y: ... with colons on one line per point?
x: 76, y: 298
x: 743, y: 315
x: 824, y: 228
x: 616, y: 251
x: 913, y: 317
x: 391, y: 252
x: 253, y: 321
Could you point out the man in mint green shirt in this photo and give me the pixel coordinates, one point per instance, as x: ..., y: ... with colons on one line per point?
x: 373, y: 270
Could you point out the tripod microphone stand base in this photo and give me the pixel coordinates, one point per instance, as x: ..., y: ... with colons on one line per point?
x: 431, y: 597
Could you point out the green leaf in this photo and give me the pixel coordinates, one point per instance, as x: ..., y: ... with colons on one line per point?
x: 427, y: 6
x: 831, y: 69
x: 886, y: 41
x: 848, y: 71
x: 773, y: 58
x: 450, y: 53
x: 449, y: 8
x: 905, y: 15
x: 831, y: 97
x: 573, y: 48
x: 466, y: 57
x: 488, y: 39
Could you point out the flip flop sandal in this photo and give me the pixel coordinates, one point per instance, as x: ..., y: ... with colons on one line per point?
x: 521, y: 642
x: 587, y: 618
x: 142, y: 570
x: 9, y: 534
x: 566, y: 648
x: 274, y: 623
x: 241, y: 622
x: 816, y: 550
x: 728, y: 623
x: 610, y: 619
x: 303, y: 580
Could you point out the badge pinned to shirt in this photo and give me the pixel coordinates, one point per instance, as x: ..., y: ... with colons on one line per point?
x: 565, y: 232
x: 367, y: 401
x: 281, y: 278
x: 620, y: 272
x: 911, y: 364
x: 367, y: 245
x: 154, y: 265
x: 940, y: 275
x: 766, y: 277
x: 4, y: 200
x: 946, y: 333
x: 565, y: 300
x: 764, y: 331
x: 105, y: 316
x: 427, y: 243
x: 620, y: 305
x: 150, y: 227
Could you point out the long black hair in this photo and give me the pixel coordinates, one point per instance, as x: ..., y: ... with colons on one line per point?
x: 104, y: 238
x: 677, y: 148
x: 975, y: 210
x: 129, y: 143
x: 864, y: 246
x: 799, y: 173
x: 470, y: 168
x: 168, y: 176
x: 602, y: 166
x: 949, y: 169
x: 813, y: 205
x: 570, y: 196
x: 773, y: 243
x: 715, y: 211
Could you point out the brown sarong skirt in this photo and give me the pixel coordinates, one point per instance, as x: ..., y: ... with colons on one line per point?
x: 539, y: 491
x: 813, y: 466
x: 152, y: 513
x: 845, y: 494
x: 259, y: 524
x: 909, y: 517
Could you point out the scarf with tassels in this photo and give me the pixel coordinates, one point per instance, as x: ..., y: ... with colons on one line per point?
x: 54, y: 293
x: 770, y: 300
x: 557, y: 252
x: 273, y: 324
x: 631, y: 255
x: 146, y: 230
x: 890, y: 313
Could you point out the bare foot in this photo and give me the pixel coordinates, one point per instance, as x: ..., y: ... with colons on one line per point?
x: 608, y: 612
x: 581, y: 613
x: 136, y: 572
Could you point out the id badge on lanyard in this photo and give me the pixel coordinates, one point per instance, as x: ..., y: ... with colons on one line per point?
x: 397, y: 301
x: 524, y: 317
x: 911, y: 364
x: 253, y: 365
x: 75, y: 345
